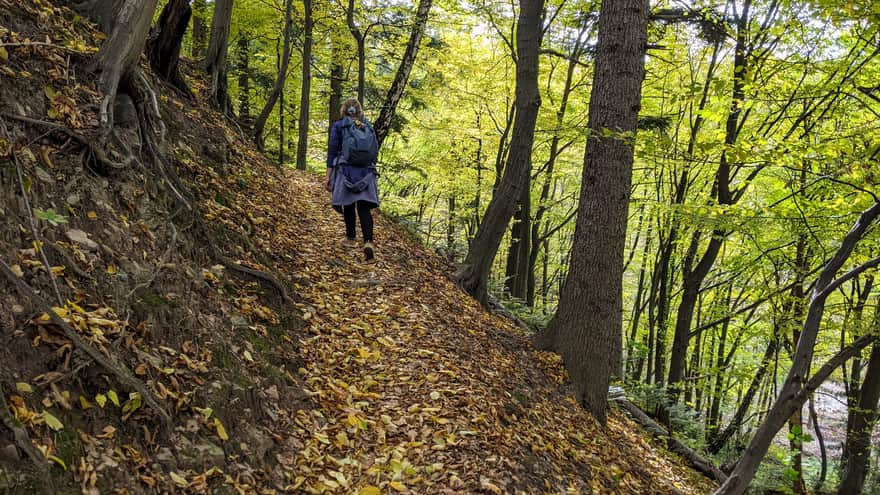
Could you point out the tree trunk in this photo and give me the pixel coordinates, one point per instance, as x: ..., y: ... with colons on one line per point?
x: 199, y: 29
x: 127, y: 24
x: 163, y: 48
x: 474, y: 275
x: 260, y: 123
x: 518, y: 252
x: 587, y: 328
x: 796, y: 387
x: 858, y: 436
x: 305, y: 93
x: 215, y: 58
x: 361, y: 49
x: 383, y: 123
x: 244, y: 78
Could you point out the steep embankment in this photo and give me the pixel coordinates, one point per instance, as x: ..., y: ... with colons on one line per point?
x: 373, y: 379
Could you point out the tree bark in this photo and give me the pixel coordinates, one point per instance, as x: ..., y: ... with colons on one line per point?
x: 163, y: 47
x: 395, y: 92
x: 215, y: 58
x: 796, y: 388
x: 260, y: 123
x: 305, y: 93
x: 127, y: 24
x: 360, y: 43
x: 474, y: 275
x: 858, y: 435
x: 587, y: 328
x: 243, y: 68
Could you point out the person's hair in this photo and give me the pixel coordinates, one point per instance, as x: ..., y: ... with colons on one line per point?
x: 349, y: 104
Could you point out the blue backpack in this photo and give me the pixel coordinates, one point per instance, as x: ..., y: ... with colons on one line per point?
x: 360, y: 148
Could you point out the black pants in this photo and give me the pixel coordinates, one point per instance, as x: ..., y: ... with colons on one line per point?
x: 358, y: 209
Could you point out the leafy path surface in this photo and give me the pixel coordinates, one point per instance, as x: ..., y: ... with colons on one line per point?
x: 422, y: 391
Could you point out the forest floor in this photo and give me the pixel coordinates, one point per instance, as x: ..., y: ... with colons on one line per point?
x: 380, y: 378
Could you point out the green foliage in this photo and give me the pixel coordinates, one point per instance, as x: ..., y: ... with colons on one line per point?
x: 51, y: 216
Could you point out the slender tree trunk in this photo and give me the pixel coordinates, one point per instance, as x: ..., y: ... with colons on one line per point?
x: 215, y: 58
x: 260, y: 123
x: 199, y: 28
x: 303, y: 141
x: 855, y: 382
x: 359, y: 39
x: 163, y: 47
x: 383, y: 123
x: 474, y: 275
x: 796, y: 387
x: 244, y: 78
x: 587, y: 327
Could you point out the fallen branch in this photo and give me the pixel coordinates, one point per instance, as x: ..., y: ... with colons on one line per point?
x: 697, y: 461
x: 125, y: 376
x: 22, y: 439
x: 258, y: 274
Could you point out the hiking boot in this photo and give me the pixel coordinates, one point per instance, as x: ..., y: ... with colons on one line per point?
x: 349, y: 243
x: 369, y: 255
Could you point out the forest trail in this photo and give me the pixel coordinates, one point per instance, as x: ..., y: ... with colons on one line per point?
x: 409, y: 386
x: 421, y: 389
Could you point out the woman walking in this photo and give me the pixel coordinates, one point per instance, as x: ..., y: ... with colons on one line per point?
x: 351, y: 174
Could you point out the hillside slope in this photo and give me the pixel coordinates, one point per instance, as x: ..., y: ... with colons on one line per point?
x: 352, y: 378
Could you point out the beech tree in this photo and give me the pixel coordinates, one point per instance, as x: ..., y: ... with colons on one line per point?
x: 474, y: 274
x: 163, y: 47
x: 586, y: 329
x: 278, y: 87
x: 215, y: 59
x: 306, y: 87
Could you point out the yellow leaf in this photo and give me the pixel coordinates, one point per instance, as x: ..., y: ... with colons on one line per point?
x: 4, y: 55
x: 178, y: 479
x: 111, y: 269
x: 206, y: 412
x: 397, y: 486
x: 52, y: 421
x: 248, y: 356
x: 221, y: 431
x: 24, y: 388
x: 58, y: 460
x: 111, y: 394
x: 370, y: 490
x: 17, y: 271
x: 84, y: 403
x: 91, y: 215
x: 101, y: 399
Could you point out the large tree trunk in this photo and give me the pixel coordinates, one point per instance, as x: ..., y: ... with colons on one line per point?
x: 163, y: 47
x: 303, y: 140
x: 475, y: 273
x: 797, y: 387
x: 587, y: 328
x: 127, y: 24
x: 858, y: 436
x: 260, y: 123
x: 215, y: 59
x: 383, y: 123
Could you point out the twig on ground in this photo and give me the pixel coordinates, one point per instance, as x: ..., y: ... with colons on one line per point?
x: 109, y: 363
x: 159, y: 265
x: 22, y: 439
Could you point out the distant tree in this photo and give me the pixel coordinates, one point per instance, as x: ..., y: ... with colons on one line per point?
x: 303, y: 141
x: 215, y: 59
x: 383, y: 123
x: 474, y: 274
x: 587, y: 327
x: 278, y: 87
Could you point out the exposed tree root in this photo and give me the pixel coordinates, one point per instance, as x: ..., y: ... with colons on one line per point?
x: 107, y: 362
x: 101, y: 159
x: 22, y: 439
x: 697, y: 461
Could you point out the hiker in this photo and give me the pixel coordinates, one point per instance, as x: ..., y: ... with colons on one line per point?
x: 351, y: 173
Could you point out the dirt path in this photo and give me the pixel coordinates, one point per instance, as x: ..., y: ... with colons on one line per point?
x: 421, y: 391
